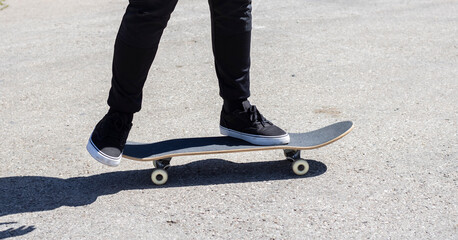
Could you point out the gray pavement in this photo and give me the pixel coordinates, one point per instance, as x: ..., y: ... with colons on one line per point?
x: 390, y: 66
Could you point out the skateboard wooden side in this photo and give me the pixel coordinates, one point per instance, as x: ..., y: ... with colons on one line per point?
x: 222, y: 144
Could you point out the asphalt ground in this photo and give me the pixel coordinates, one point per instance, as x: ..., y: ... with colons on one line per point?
x: 389, y: 66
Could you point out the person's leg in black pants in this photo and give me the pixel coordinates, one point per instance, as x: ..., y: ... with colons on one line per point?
x: 135, y: 48
x: 231, y: 40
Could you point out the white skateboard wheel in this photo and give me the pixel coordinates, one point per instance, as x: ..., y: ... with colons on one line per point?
x: 300, y: 167
x: 159, y: 176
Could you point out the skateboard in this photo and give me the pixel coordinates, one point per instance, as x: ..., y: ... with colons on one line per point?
x: 161, y: 153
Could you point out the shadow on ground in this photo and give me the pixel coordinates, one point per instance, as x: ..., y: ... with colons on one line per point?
x: 14, y: 232
x: 39, y: 193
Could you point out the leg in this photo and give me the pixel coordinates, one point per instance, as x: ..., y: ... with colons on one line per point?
x: 135, y: 48
x: 231, y: 39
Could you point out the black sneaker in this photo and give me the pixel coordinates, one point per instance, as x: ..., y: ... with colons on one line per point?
x: 249, y: 125
x: 109, y: 137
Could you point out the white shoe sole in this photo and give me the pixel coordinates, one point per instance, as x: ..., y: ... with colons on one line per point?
x: 256, y: 139
x: 102, y: 157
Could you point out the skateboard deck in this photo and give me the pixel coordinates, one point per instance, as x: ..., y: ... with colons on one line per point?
x: 162, y: 152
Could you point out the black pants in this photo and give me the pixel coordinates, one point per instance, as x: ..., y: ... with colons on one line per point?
x: 139, y: 35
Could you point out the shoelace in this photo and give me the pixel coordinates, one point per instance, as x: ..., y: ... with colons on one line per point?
x: 256, y: 116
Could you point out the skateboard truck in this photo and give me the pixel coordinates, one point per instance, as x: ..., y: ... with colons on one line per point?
x: 162, y: 163
x: 292, y: 154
